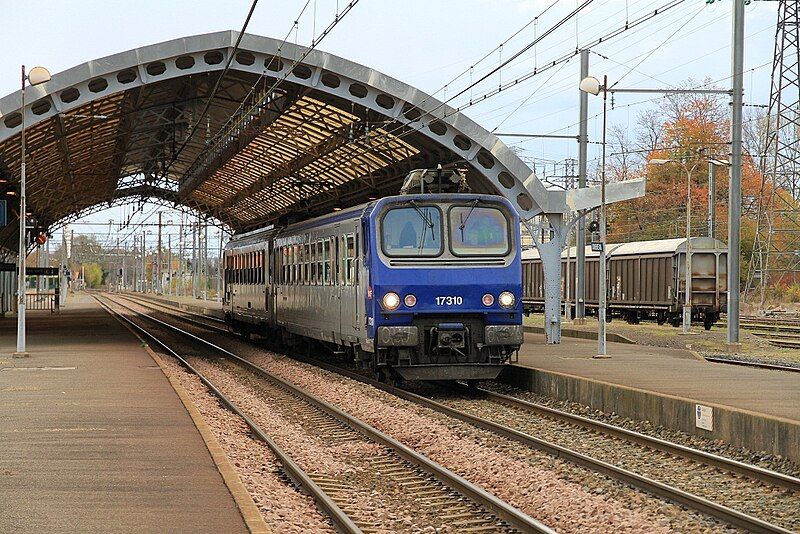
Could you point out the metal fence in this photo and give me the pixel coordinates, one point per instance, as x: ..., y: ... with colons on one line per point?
x: 46, y: 300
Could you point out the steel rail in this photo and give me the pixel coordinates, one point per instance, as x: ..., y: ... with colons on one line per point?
x: 654, y: 487
x: 487, y: 500
x: 170, y: 305
x: 695, y: 502
x: 714, y: 460
x: 154, y: 305
x: 340, y: 519
x: 727, y: 464
x: 759, y: 365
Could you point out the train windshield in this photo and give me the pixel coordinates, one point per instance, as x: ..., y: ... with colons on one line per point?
x: 412, y: 231
x: 478, y: 230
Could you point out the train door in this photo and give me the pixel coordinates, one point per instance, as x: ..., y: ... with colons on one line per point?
x: 272, y: 282
x: 351, y: 308
x: 264, y: 268
x: 333, y: 311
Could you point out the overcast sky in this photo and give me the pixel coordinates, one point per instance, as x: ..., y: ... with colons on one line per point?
x: 427, y: 44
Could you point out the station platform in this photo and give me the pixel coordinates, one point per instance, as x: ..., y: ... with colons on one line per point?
x: 95, y: 439
x: 755, y: 408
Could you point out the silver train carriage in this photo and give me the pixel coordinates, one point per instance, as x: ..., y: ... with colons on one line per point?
x: 454, y: 310
x: 646, y: 280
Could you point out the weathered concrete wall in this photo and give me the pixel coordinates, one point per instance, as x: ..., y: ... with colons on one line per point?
x: 739, y: 427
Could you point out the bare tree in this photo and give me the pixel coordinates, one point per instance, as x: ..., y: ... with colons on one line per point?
x: 650, y: 133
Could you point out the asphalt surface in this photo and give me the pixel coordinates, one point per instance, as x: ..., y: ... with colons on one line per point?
x: 94, y: 439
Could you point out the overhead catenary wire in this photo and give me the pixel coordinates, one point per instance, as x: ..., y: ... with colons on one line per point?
x: 389, y: 137
x: 232, y: 124
x: 214, y: 90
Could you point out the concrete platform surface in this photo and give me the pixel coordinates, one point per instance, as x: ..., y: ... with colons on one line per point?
x: 670, y: 372
x: 94, y: 439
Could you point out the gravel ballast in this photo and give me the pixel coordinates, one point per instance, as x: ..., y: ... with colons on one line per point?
x: 282, y: 506
x: 566, y: 497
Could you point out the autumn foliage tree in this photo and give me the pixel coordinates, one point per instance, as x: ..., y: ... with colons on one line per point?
x: 688, y: 130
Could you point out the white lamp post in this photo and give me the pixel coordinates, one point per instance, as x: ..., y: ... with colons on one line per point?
x: 687, y: 286
x: 36, y: 76
x: 592, y: 85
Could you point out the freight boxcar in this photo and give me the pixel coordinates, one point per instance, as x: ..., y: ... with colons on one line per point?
x: 646, y: 280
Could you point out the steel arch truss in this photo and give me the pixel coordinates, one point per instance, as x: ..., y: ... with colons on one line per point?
x: 333, y: 133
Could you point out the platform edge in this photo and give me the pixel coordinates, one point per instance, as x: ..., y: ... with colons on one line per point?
x: 250, y: 513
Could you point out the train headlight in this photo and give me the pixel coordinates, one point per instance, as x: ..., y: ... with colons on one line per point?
x: 487, y: 299
x: 410, y: 301
x: 391, y: 301
x: 507, y: 299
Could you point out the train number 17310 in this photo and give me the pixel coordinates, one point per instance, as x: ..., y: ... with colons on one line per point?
x: 449, y: 301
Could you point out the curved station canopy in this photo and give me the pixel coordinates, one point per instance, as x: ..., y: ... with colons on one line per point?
x: 168, y: 122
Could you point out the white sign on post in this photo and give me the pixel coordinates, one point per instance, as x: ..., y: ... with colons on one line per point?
x: 704, y: 417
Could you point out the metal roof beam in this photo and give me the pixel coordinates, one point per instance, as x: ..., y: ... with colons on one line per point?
x: 199, y: 172
x: 337, y: 138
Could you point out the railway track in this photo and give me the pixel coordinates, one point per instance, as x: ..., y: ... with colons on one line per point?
x: 444, y: 497
x: 196, y: 318
x: 754, y: 364
x: 520, y: 421
x: 517, y: 427
x: 778, y: 332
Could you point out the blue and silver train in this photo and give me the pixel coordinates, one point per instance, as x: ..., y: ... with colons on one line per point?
x: 419, y: 286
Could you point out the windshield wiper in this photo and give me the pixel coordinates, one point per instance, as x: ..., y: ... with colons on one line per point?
x: 428, y: 223
x: 421, y: 214
x: 465, y: 219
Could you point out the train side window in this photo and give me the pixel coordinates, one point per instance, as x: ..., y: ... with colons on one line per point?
x: 307, y: 264
x: 298, y: 261
x: 301, y: 275
x: 341, y: 260
x: 320, y: 259
x: 298, y: 250
x: 292, y: 266
x: 326, y: 269
x: 283, y: 265
x: 334, y: 261
x: 351, y: 255
x: 287, y: 265
x: 276, y: 257
x: 314, y: 263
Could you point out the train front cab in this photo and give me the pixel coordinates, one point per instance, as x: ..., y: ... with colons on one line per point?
x: 444, y: 299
